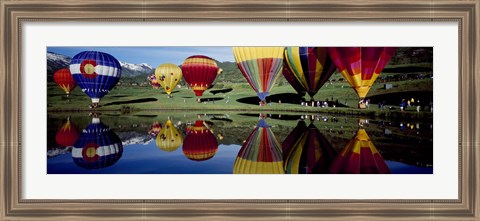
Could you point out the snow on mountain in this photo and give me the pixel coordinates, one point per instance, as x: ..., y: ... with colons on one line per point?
x: 58, y: 61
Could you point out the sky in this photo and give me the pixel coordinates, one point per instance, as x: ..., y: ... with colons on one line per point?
x: 153, y: 56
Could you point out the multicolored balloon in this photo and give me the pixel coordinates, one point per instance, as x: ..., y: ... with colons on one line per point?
x: 306, y: 150
x: 361, y: 66
x: 261, y: 153
x: 96, y: 73
x: 261, y: 67
x: 169, y: 139
x: 359, y: 156
x: 63, y: 78
x: 67, y: 135
x: 97, y: 147
x: 307, y: 68
x: 155, y: 129
x: 199, y: 72
x: 153, y: 81
x: 168, y: 75
x: 200, y: 144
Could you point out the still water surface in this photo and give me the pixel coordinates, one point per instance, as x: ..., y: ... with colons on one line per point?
x: 240, y: 143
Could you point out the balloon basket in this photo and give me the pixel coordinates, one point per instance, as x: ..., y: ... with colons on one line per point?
x: 362, y: 106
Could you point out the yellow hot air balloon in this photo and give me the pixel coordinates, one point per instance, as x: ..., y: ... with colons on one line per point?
x: 169, y: 139
x: 168, y: 75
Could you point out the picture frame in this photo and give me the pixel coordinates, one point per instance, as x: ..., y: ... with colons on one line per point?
x: 15, y: 13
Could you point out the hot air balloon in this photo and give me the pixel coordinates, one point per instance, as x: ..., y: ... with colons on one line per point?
x: 63, y: 78
x: 96, y: 73
x: 306, y: 150
x: 168, y: 75
x: 261, y: 67
x: 261, y: 153
x: 359, y: 156
x: 97, y: 147
x: 153, y: 81
x: 361, y: 66
x: 307, y: 68
x: 155, y: 129
x: 199, y: 72
x: 169, y: 139
x: 200, y: 143
x: 67, y: 135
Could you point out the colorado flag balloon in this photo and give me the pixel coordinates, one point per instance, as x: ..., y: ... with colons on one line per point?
x: 96, y: 73
x: 261, y: 67
x: 97, y: 147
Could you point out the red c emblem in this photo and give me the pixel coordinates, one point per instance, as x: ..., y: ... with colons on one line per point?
x: 89, y: 152
x: 87, y: 67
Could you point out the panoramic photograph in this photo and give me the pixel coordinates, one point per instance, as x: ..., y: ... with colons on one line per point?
x: 239, y: 110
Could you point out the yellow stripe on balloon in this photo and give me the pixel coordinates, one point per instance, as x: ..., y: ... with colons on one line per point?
x: 251, y: 53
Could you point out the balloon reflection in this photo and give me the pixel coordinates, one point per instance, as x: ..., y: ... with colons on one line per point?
x: 97, y: 147
x: 200, y: 143
x: 67, y: 135
x: 306, y: 150
x: 359, y: 156
x: 169, y: 138
x: 155, y: 129
x: 261, y: 153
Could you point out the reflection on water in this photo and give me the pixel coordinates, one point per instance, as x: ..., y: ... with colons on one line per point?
x: 261, y: 153
x: 168, y: 138
x: 359, y: 156
x: 237, y: 143
x: 306, y: 150
x: 97, y: 147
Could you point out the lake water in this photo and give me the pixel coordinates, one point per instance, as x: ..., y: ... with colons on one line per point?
x: 240, y: 143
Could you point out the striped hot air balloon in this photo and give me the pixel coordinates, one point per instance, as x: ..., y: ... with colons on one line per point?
x: 64, y: 79
x: 200, y: 144
x: 261, y: 67
x: 261, y: 153
x: 199, y: 72
x: 152, y: 80
x: 97, y: 147
x: 361, y: 66
x: 168, y: 75
x: 359, y: 156
x: 169, y: 139
x: 307, y: 68
x: 155, y: 129
x: 306, y: 150
x: 96, y: 73
x: 67, y: 135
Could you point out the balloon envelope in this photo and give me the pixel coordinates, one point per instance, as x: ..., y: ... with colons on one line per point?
x: 261, y: 153
x: 359, y: 156
x: 307, y: 68
x: 168, y: 75
x: 155, y: 129
x: 169, y: 139
x: 199, y: 72
x: 200, y: 144
x: 67, y: 135
x: 97, y: 147
x: 153, y: 81
x: 261, y: 67
x: 64, y: 79
x: 96, y: 73
x: 306, y: 150
x: 361, y: 66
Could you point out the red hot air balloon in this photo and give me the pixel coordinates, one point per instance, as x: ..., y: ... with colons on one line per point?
x: 67, y: 135
x: 200, y: 143
x: 199, y: 72
x: 64, y: 79
x: 359, y: 156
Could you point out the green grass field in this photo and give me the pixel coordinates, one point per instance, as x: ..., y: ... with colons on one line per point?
x: 229, y: 96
